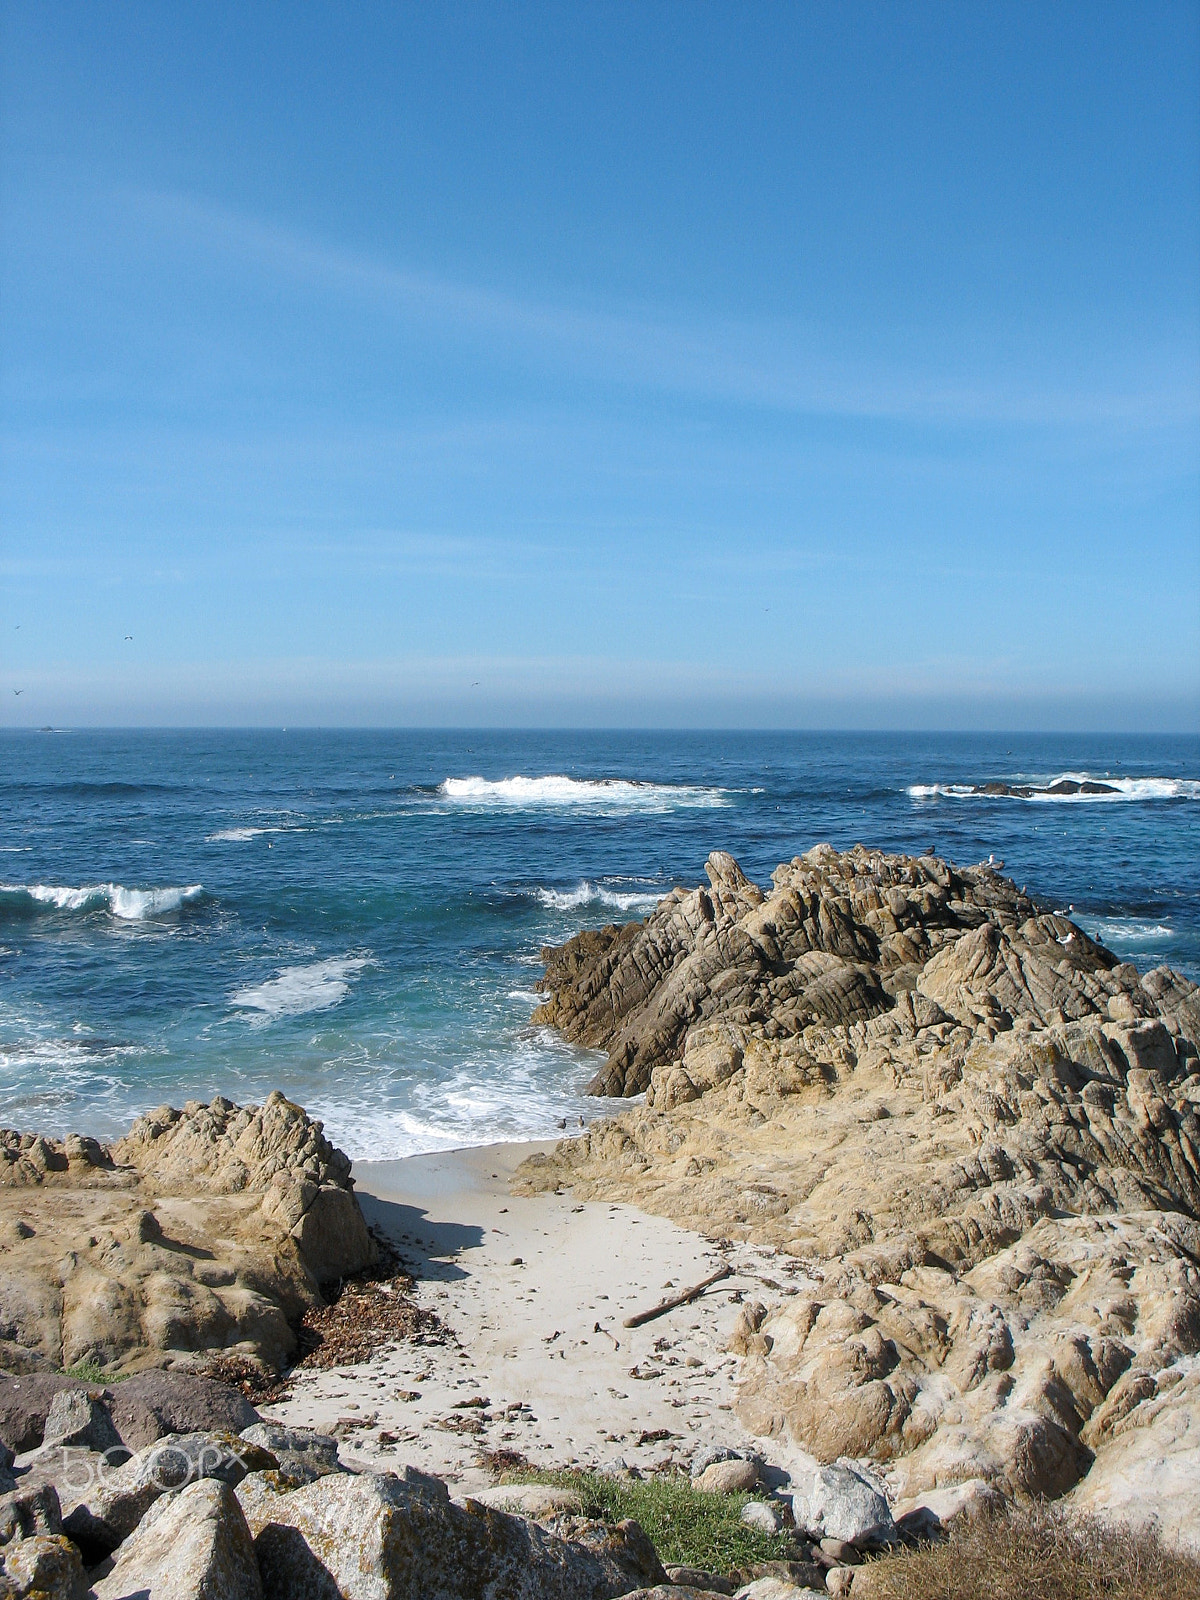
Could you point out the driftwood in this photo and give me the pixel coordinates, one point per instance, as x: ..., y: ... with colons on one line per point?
x: 678, y: 1300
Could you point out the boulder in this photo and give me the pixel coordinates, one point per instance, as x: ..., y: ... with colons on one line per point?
x: 673, y: 1591
x: 537, y: 1501
x: 25, y: 1403
x: 301, y: 1454
x: 978, y: 1129
x: 839, y: 1503
x: 1147, y: 1465
x: 763, y: 1516
x: 121, y: 1498
x: 382, y: 1538
x: 727, y: 1477
x: 974, y: 1498
x: 151, y: 1405
x: 44, y: 1567
x: 80, y: 1420
x: 777, y: 1589
x: 28, y: 1511
x: 195, y: 1545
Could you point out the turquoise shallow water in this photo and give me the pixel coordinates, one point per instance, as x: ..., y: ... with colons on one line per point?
x: 356, y: 917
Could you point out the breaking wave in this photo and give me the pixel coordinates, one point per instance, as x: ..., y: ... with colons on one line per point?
x: 240, y: 835
x: 1069, y: 787
x: 594, y: 894
x: 621, y: 794
x: 1130, y: 932
x: 127, y: 905
x: 298, y: 990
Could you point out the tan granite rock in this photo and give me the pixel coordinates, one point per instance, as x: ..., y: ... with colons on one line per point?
x: 972, y: 1130
x: 203, y: 1230
x: 194, y: 1545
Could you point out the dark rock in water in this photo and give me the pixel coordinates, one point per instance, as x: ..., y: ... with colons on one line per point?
x: 152, y: 1404
x: 1031, y: 791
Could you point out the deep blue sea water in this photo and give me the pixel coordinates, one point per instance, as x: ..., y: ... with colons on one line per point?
x: 355, y: 917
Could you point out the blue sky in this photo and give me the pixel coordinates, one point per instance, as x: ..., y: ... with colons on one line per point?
x: 790, y: 365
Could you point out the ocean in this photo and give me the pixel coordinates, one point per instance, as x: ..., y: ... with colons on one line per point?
x: 356, y: 917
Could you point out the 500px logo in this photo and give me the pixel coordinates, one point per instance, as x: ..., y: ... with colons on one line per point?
x: 168, y: 1466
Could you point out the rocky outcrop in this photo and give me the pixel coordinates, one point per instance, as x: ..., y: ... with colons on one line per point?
x: 205, y: 1230
x: 973, y: 1129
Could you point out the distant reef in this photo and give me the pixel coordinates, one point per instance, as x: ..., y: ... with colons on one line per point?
x: 974, y: 1127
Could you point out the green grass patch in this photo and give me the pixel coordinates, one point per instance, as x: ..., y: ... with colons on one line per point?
x: 90, y: 1372
x: 688, y: 1527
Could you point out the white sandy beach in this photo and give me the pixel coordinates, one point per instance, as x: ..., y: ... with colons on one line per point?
x: 534, y: 1293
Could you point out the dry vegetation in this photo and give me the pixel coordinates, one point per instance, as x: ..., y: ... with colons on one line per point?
x: 1039, y: 1553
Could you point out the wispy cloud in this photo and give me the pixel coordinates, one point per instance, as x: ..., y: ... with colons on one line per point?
x: 784, y: 364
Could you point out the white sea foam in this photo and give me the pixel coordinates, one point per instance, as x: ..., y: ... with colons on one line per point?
x: 1114, y: 931
x: 594, y: 894
x: 297, y: 990
x: 242, y: 835
x: 622, y: 794
x: 529, y: 1089
x: 1038, y: 789
x: 128, y: 905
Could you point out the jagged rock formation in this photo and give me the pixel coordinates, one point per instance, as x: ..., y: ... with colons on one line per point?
x: 976, y: 1128
x: 203, y: 1230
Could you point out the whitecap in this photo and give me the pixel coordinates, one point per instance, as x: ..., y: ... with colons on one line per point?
x: 295, y: 991
x: 593, y: 894
x: 1065, y: 788
x: 1114, y: 931
x: 127, y: 905
x: 623, y: 794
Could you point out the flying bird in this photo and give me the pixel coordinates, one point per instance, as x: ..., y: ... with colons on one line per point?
x: 18, y: 691
x: 129, y: 636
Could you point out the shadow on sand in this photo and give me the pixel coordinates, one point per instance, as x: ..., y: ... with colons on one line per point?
x: 427, y: 1248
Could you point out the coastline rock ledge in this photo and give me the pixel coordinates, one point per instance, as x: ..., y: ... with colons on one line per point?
x: 971, y: 1133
